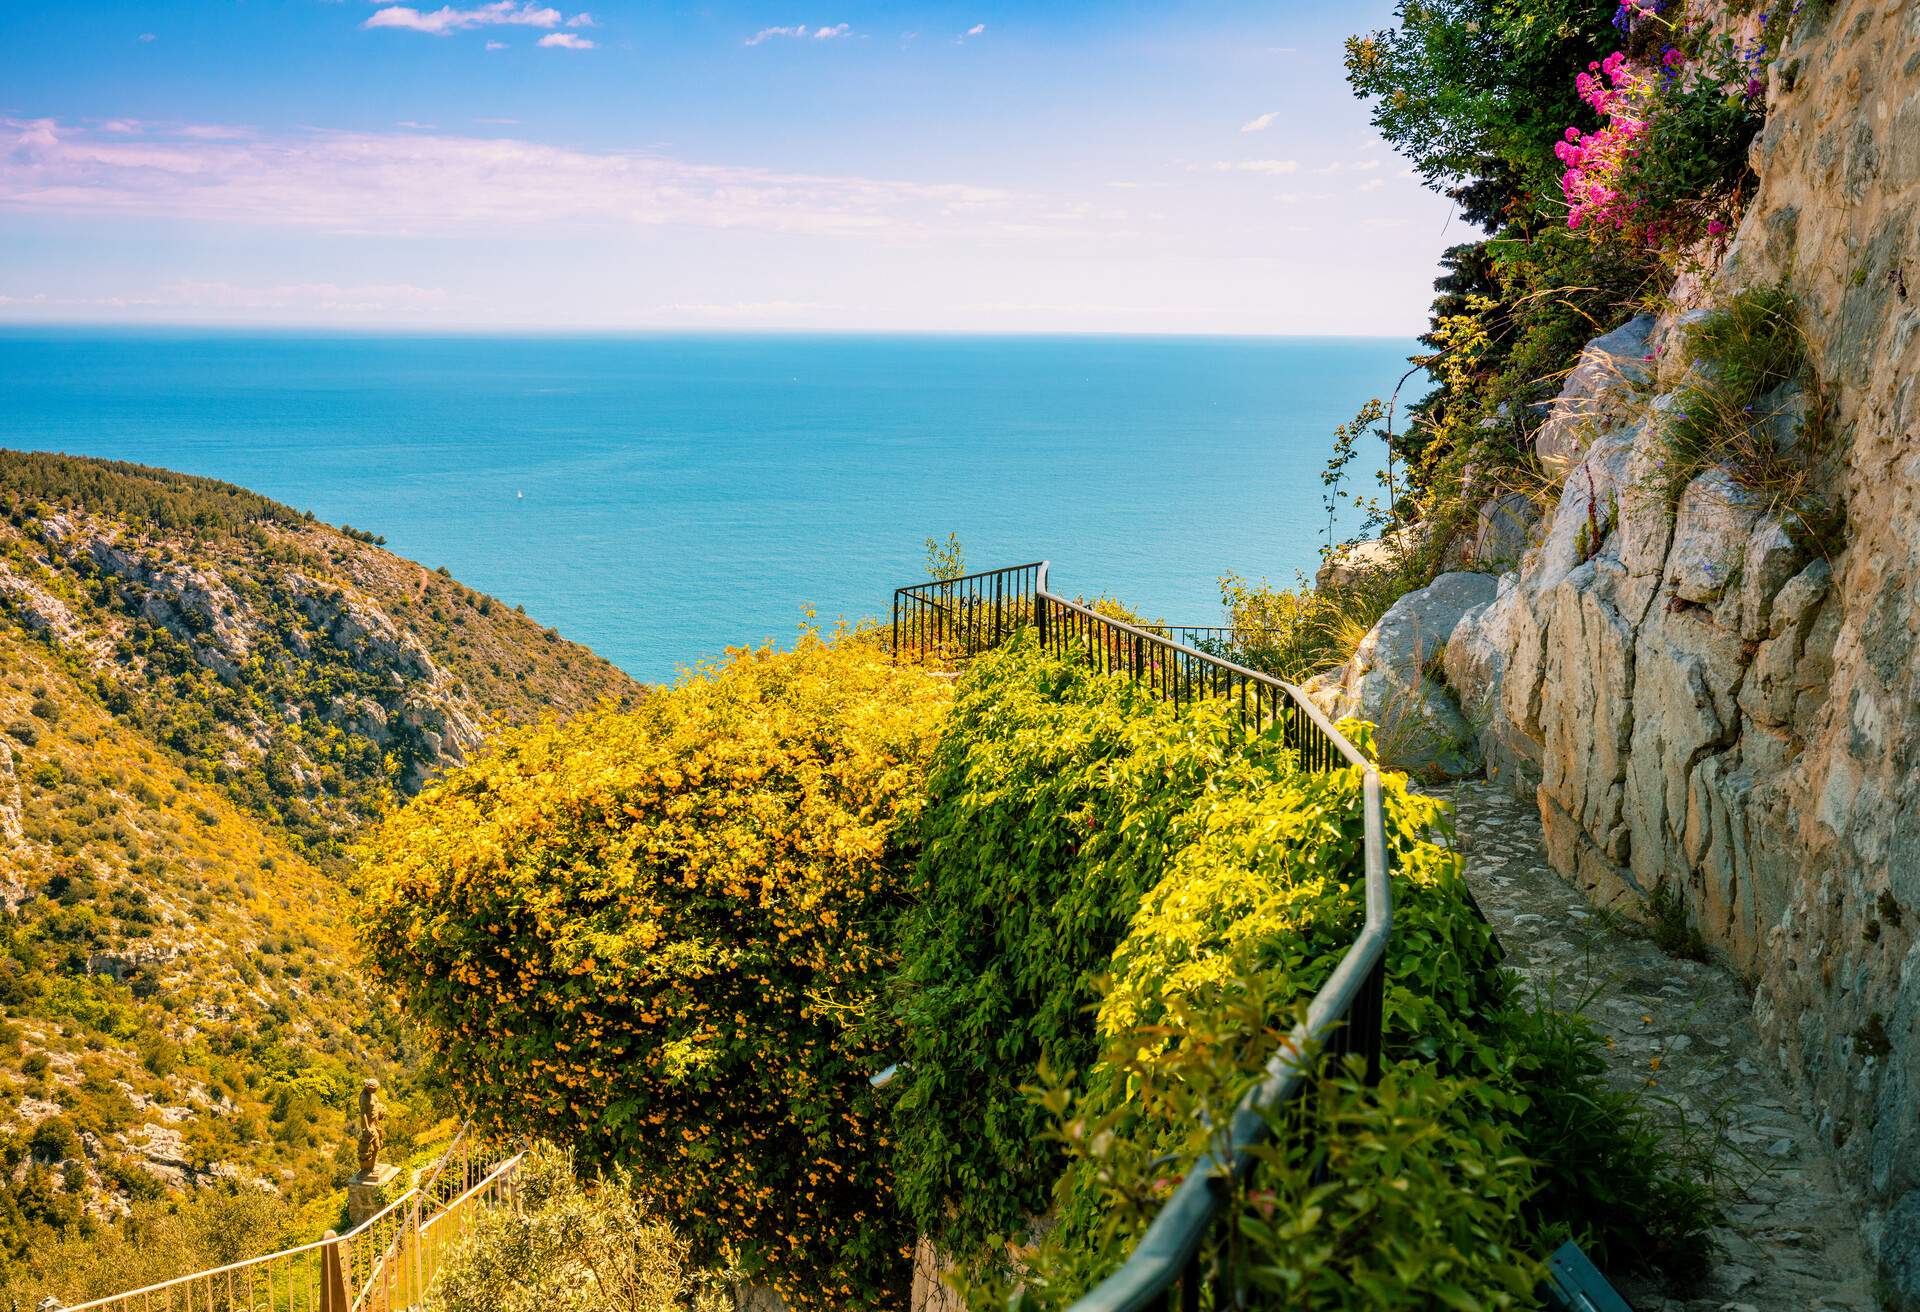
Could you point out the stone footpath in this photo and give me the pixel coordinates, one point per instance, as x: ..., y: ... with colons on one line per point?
x: 1684, y: 1032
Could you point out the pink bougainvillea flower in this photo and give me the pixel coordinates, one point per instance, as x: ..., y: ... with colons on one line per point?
x: 1594, y: 161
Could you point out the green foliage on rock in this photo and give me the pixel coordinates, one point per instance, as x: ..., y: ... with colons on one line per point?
x: 659, y: 936
x: 139, y: 494
x: 1750, y: 403
x: 311, y: 676
x: 1475, y: 92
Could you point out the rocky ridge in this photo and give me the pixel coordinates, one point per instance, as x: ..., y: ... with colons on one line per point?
x: 312, y: 674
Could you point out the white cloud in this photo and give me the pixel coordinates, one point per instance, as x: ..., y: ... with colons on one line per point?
x: 146, y: 37
x: 798, y: 30
x: 1255, y: 166
x: 1349, y: 166
x: 975, y: 30
x: 1372, y: 184
x: 582, y: 20
x: 447, y: 20
x: 1260, y: 124
x: 564, y: 41
x: 496, y: 45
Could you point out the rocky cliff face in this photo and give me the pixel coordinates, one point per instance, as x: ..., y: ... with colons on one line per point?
x: 1838, y: 214
x: 1717, y: 716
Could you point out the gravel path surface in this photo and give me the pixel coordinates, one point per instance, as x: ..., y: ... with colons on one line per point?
x: 1684, y: 1031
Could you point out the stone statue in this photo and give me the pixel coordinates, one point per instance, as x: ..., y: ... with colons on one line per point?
x: 372, y: 1134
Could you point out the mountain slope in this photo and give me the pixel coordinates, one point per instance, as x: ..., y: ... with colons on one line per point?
x: 313, y: 676
x: 204, y: 696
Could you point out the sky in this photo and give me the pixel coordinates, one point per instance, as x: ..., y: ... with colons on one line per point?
x: 1065, y: 166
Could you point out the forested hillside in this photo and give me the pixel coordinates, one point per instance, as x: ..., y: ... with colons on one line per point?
x: 204, y: 697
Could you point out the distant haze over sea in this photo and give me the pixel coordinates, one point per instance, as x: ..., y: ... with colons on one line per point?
x: 661, y: 497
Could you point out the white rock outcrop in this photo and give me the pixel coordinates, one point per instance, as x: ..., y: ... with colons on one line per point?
x: 1390, y: 680
x: 1608, y: 366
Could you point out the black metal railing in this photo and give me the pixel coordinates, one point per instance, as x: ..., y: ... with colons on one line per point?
x: 1214, y: 639
x: 1167, y: 1266
x: 959, y: 617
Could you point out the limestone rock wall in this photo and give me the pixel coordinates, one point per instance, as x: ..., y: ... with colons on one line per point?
x: 1701, y: 706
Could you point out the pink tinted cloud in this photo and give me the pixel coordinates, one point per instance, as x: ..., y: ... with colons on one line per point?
x: 564, y: 41
x: 430, y: 184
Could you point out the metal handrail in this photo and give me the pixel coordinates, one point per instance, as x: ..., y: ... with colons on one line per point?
x: 299, y: 1288
x: 485, y: 1182
x: 1344, y: 1015
x: 146, y: 1291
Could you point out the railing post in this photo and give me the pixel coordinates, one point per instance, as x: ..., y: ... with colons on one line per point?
x: 1371, y: 1009
x: 1040, y: 618
x: 335, y: 1276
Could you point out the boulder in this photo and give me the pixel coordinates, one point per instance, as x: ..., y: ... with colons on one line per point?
x: 1354, y: 560
x: 1503, y: 529
x: 1900, y: 1246
x: 1391, y: 680
x: 1610, y: 368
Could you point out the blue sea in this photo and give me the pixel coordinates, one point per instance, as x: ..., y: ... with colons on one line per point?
x: 660, y: 498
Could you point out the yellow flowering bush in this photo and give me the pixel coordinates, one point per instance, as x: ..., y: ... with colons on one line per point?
x: 657, y: 936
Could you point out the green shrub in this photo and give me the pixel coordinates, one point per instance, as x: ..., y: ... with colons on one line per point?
x: 1607, y: 1171
x: 1403, y: 1195
x: 1053, y: 804
x: 157, y: 1240
x: 1051, y: 801
x: 1294, y: 634
x: 659, y: 935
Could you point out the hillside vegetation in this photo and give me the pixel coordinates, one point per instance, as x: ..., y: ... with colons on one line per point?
x: 204, y: 697
x: 680, y: 940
